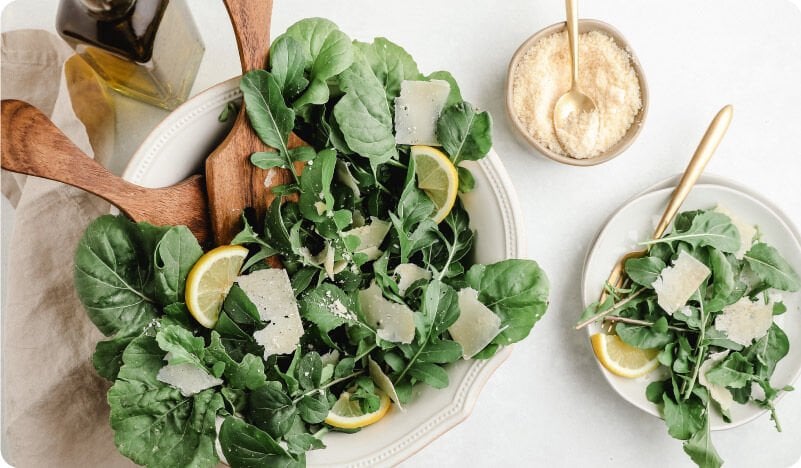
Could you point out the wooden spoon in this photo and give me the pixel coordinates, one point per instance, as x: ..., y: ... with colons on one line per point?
x: 33, y: 145
x: 232, y: 182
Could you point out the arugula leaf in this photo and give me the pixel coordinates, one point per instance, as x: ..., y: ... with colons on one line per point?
x: 246, y: 446
x: 734, y: 372
x: 313, y: 408
x: 112, y: 271
x: 771, y: 268
x: 309, y: 371
x: 683, y: 418
x: 708, y: 228
x: 147, y: 414
x: 174, y: 255
x: 430, y: 374
x: 363, y: 115
x: 465, y: 133
x: 268, y: 113
x: 328, y: 307
x: 288, y: 63
x: 466, y: 181
x: 699, y: 448
x: 330, y: 52
x: 270, y: 409
x: 723, y: 284
x: 644, y: 271
x: 107, y: 358
x: 455, y: 96
x: 516, y: 290
x: 315, y: 186
x: 390, y: 64
x: 248, y: 374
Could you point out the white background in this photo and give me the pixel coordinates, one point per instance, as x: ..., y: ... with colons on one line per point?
x: 549, y: 405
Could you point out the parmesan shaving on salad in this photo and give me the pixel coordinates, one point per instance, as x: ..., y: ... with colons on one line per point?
x: 677, y: 283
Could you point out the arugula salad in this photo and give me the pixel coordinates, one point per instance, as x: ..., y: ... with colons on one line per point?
x: 219, y: 356
x: 701, y: 307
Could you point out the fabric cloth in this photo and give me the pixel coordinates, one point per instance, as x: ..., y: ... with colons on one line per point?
x: 54, y: 405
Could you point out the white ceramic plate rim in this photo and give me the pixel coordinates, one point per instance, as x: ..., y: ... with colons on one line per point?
x: 670, y: 182
x: 479, y: 372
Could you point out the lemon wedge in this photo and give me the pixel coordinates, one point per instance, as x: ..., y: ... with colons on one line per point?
x: 347, y: 414
x: 209, y: 281
x: 437, y: 177
x: 622, y: 359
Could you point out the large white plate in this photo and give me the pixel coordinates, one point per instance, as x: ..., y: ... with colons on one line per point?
x: 177, y: 149
x: 636, y: 220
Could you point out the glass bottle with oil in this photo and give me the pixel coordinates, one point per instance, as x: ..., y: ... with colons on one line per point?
x: 149, y: 50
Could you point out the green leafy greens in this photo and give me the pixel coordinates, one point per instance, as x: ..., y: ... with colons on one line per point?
x: 356, y: 225
x: 709, y: 366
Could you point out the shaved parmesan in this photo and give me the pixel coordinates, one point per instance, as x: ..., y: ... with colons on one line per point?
x: 326, y: 258
x: 218, y: 422
x: 394, y: 322
x: 407, y: 274
x: 272, y: 294
x: 347, y: 179
x: 188, y: 378
x: 744, y: 321
x: 476, y: 326
x: 677, y: 283
x: 383, y: 382
x: 370, y: 237
x: 747, y: 231
x: 417, y: 110
x: 718, y: 393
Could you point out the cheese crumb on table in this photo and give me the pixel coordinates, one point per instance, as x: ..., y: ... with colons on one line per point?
x: 606, y: 75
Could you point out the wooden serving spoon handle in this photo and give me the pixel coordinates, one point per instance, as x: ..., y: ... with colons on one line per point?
x: 33, y: 145
x: 232, y: 182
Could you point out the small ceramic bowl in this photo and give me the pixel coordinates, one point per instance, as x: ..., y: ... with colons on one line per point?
x: 584, y: 25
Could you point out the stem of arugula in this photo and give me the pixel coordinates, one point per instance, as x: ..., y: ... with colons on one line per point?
x: 329, y: 384
x: 700, y: 349
x: 365, y: 353
x: 604, y: 313
x: 406, y: 369
x: 323, y: 431
x: 645, y: 323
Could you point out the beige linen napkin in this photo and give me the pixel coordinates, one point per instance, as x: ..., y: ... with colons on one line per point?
x: 54, y: 407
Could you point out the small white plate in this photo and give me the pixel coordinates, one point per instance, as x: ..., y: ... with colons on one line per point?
x: 177, y: 148
x: 635, y: 221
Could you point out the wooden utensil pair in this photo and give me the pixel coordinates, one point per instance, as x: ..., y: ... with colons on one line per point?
x: 33, y: 145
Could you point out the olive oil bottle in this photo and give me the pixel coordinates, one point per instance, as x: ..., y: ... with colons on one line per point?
x: 149, y: 50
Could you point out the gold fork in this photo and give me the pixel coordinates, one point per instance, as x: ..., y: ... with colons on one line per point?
x: 706, y: 148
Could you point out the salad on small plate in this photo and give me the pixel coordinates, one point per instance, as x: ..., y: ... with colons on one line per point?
x: 705, y: 333
x: 358, y: 286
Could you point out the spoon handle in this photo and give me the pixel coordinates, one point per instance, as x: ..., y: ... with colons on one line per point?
x: 251, y: 21
x: 572, y: 37
x: 709, y: 143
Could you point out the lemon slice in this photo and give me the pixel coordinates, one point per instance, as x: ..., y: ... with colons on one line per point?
x: 621, y: 359
x: 347, y: 414
x: 437, y: 177
x: 209, y: 281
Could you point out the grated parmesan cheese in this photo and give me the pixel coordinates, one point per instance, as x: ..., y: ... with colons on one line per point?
x: 394, y: 322
x: 744, y: 321
x: 606, y: 75
x: 407, y: 274
x: 187, y: 378
x: 677, y: 283
x: 476, y: 326
x: 747, y: 231
x: 272, y: 294
x: 417, y: 110
x: 718, y: 393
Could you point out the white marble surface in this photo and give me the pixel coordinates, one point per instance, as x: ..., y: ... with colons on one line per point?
x: 549, y: 405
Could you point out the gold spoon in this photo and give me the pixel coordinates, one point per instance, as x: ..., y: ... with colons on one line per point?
x: 709, y: 143
x: 575, y: 114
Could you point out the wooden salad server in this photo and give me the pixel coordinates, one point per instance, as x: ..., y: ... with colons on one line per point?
x: 232, y: 182
x: 33, y: 145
